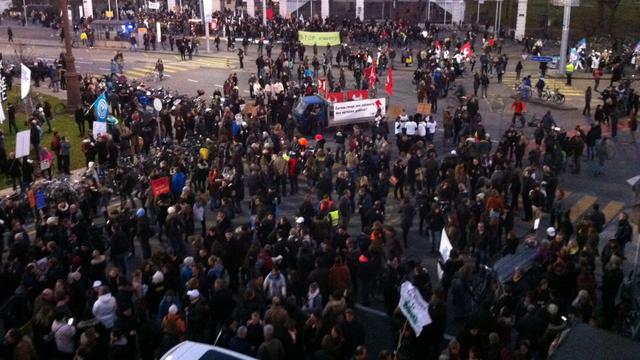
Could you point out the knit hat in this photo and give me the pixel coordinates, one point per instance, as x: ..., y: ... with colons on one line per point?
x: 173, y: 309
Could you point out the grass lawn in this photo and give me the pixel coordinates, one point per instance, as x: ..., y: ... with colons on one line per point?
x: 64, y: 124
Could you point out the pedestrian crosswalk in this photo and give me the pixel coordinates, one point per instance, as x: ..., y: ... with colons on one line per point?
x: 560, y: 84
x: 581, y: 203
x: 178, y: 66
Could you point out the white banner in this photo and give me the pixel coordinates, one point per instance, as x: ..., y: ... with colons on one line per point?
x: 88, y: 8
x: 171, y: 5
x: 360, y: 9
x: 23, y: 143
x: 158, y: 32
x: 99, y: 128
x: 25, y: 81
x: 413, y: 307
x: 1, y: 114
x: 344, y: 112
x: 154, y: 5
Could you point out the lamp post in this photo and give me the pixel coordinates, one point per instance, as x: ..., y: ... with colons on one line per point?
x: 71, y: 76
x: 564, y: 44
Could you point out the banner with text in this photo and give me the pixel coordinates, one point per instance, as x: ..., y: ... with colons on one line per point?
x: 310, y: 38
x: 347, y: 112
x: 160, y: 186
x: 414, y: 307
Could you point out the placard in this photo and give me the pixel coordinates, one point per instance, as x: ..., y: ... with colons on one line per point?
x: 23, y: 143
x: 160, y: 186
x: 99, y: 128
x: 394, y: 112
x: 344, y: 113
x: 3, y: 88
x: 423, y: 108
x: 155, y: 5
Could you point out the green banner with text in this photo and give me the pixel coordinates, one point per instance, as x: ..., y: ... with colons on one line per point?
x: 319, y: 38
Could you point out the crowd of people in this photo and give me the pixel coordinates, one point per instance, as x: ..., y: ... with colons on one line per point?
x: 215, y: 259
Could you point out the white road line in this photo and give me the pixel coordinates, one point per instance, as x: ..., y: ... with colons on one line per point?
x: 218, y: 85
x: 104, y: 69
x: 192, y: 80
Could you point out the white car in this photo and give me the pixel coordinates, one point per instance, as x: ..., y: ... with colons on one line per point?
x: 189, y: 350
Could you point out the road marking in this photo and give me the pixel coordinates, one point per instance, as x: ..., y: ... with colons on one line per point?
x: 611, y: 210
x: 84, y: 62
x: 104, y: 69
x: 192, y: 80
x: 218, y: 85
x: 581, y: 206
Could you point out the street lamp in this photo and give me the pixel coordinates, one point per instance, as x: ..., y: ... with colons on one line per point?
x: 71, y: 76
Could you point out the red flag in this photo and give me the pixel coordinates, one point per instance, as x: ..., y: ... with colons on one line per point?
x: 466, y: 50
x: 357, y: 94
x: 335, y: 97
x: 370, y: 74
x: 389, y: 85
x: 438, y: 45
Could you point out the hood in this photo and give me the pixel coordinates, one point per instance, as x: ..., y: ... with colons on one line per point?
x: 105, y: 298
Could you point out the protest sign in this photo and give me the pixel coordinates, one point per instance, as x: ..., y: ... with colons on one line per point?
x: 413, y: 307
x: 310, y: 38
x: 99, y: 128
x: 160, y: 186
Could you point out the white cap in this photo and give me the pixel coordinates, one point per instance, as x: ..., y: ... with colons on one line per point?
x: 157, y: 277
x: 300, y: 220
x: 171, y: 210
x: 173, y: 309
x: 193, y: 294
x: 97, y: 284
x: 551, y: 231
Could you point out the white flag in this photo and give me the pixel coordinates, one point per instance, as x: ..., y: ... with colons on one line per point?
x: 25, y: 81
x: 1, y: 114
x: 413, y: 307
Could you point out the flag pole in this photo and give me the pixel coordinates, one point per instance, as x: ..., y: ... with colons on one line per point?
x: 404, y: 327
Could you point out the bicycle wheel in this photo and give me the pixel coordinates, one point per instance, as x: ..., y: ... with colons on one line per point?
x: 559, y: 99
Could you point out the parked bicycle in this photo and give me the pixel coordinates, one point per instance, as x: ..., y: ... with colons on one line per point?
x: 554, y: 96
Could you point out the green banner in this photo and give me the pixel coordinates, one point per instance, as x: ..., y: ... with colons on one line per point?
x: 319, y: 38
